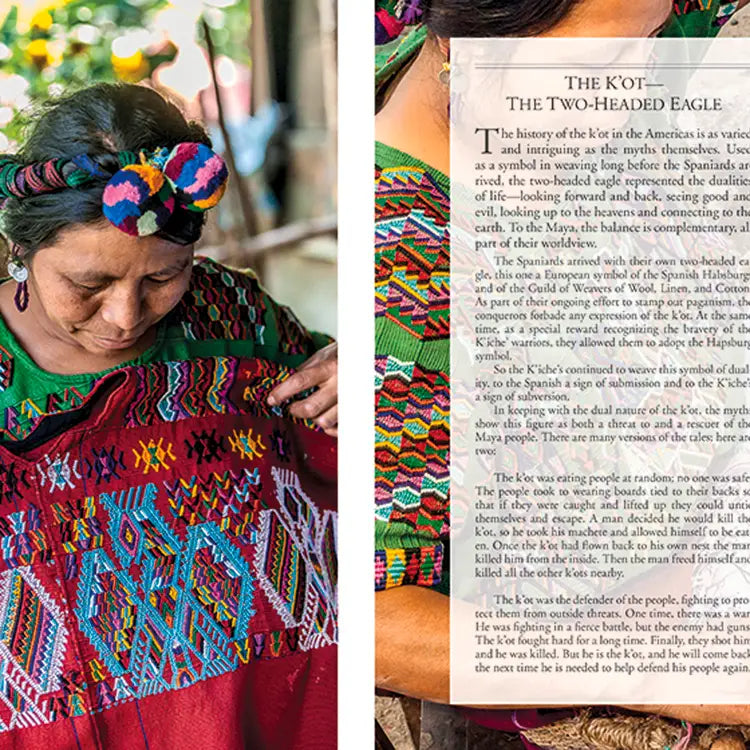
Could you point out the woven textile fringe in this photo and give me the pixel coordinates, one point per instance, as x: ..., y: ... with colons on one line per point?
x: 625, y: 732
x: 621, y: 732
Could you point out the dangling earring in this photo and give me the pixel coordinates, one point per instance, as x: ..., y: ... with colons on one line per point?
x: 444, y: 76
x: 20, y: 274
x: 451, y: 76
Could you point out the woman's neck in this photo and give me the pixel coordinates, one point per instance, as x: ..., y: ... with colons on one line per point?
x: 414, y: 118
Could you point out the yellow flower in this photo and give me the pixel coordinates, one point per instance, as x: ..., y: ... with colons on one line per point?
x: 133, y: 68
x: 30, y: 10
x: 42, y: 20
x: 44, y: 53
x: 38, y: 53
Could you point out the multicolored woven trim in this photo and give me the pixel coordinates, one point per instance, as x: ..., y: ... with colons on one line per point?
x: 413, y: 566
x: 141, y: 197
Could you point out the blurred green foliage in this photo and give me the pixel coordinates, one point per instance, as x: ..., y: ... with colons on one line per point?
x: 47, y: 46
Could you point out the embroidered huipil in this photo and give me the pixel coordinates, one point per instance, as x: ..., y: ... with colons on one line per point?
x: 411, y: 369
x: 412, y: 331
x: 168, y: 568
x: 224, y: 312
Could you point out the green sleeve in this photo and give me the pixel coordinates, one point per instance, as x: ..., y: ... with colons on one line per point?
x: 266, y: 329
x: 285, y: 334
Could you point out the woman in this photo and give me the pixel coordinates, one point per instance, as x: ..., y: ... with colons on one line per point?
x: 102, y: 260
x: 412, y: 304
x: 168, y: 574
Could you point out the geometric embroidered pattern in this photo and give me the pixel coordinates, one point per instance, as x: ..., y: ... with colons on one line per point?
x: 71, y: 703
x: 12, y: 480
x: 80, y: 529
x: 230, y: 499
x: 222, y: 305
x: 296, y: 562
x: 143, y: 577
x: 412, y: 365
x: 69, y: 398
x: 104, y: 464
x: 22, y: 538
x: 411, y: 446
x: 59, y: 473
x: 293, y: 337
x: 255, y: 394
x: 413, y: 267
x: 32, y: 645
x: 269, y: 644
x: 205, y: 446
x: 420, y: 566
x: 20, y: 419
x: 242, y: 442
x: 6, y: 369
x: 153, y: 455
x: 171, y: 391
x: 181, y: 621
x: 79, y: 526
x: 280, y: 444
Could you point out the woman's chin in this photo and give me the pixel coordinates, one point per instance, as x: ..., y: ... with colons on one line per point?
x: 100, y: 344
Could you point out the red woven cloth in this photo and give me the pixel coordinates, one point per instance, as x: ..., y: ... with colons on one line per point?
x: 168, y: 569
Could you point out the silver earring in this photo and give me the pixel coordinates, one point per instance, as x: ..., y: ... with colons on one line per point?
x: 18, y: 271
x: 444, y: 76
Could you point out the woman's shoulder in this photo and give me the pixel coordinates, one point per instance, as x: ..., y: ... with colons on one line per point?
x: 229, y: 304
x: 210, y: 273
x: 392, y: 57
x: 221, y: 303
x: 696, y: 18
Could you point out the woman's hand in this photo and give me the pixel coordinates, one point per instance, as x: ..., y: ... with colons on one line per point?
x: 320, y: 370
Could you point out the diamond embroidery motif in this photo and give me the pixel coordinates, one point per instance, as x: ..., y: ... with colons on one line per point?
x: 104, y: 464
x: 32, y: 645
x: 182, y: 618
x: 153, y: 455
x: 58, y: 474
x: 296, y: 562
x: 246, y: 445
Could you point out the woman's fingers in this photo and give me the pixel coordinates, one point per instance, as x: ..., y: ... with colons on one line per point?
x: 321, y: 373
x: 321, y: 368
x: 317, y: 403
x: 329, y: 421
x: 302, y: 380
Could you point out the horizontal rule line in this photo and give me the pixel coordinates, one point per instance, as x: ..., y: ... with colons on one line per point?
x: 645, y: 66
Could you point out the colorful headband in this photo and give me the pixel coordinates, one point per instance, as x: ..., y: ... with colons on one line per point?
x: 141, y: 197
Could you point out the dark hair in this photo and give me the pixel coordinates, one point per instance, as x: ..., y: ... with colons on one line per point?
x: 479, y: 18
x: 100, y: 121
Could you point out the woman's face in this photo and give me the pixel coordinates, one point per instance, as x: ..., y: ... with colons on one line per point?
x: 103, y: 290
x: 614, y: 18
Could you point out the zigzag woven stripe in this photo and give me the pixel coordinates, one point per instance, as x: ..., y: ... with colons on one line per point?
x: 169, y: 391
x: 411, y: 250
x: 412, y: 400
x: 412, y: 443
